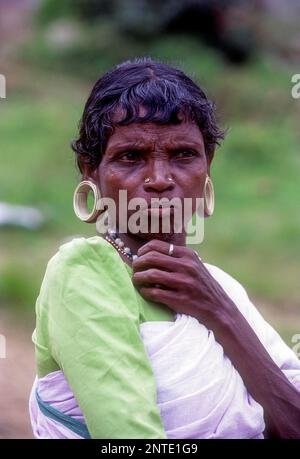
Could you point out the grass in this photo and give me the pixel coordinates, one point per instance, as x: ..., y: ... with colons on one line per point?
x: 254, y: 233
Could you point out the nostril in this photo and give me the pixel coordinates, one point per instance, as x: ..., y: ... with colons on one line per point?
x: 159, y: 185
x: 159, y: 180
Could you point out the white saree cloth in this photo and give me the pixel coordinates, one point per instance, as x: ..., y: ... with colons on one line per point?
x: 200, y: 394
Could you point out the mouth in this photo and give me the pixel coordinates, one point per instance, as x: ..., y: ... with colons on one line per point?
x: 162, y: 204
x: 159, y: 210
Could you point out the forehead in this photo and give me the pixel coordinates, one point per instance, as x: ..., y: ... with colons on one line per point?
x: 150, y: 132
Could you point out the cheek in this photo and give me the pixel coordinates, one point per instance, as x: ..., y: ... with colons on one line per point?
x: 114, y: 178
x: 198, y: 182
x: 109, y: 181
x: 196, y: 179
x: 194, y: 186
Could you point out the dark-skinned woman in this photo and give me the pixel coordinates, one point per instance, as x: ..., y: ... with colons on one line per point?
x: 136, y: 336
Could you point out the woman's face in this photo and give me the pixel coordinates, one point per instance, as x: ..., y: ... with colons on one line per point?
x: 142, y: 150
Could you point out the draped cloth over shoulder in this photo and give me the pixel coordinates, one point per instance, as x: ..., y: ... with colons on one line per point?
x: 200, y: 394
x: 107, y: 373
x: 87, y: 326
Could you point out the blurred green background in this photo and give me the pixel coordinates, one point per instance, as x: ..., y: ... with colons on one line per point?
x: 52, y: 52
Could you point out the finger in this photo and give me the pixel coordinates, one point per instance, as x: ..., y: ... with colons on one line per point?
x: 157, y: 295
x: 197, y: 254
x: 154, y: 259
x: 153, y: 276
x: 161, y: 246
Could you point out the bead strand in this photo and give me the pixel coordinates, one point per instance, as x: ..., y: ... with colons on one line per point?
x: 113, y: 238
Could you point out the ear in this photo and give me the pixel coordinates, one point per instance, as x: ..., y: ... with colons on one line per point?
x: 209, y: 157
x: 89, y: 174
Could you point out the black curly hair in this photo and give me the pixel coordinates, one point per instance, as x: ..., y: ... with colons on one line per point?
x: 164, y: 92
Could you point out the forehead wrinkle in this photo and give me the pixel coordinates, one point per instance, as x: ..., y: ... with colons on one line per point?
x: 173, y: 144
x: 147, y: 136
x: 170, y: 144
x: 137, y: 143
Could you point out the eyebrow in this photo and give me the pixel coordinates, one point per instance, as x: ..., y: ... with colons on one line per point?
x: 141, y: 146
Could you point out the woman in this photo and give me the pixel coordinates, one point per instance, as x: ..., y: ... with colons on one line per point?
x: 137, y: 337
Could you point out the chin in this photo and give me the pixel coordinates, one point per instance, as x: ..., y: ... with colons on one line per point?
x: 160, y: 236
x: 167, y: 237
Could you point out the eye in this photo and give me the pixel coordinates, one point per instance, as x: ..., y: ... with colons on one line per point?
x: 131, y: 156
x: 182, y: 154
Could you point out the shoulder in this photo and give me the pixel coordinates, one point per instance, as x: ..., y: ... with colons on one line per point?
x: 229, y: 283
x: 270, y: 338
x: 81, y: 268
x: 83, y: 274
x: 83, y: 258
x: 234, y: 289
x: 239, y: 296
x: 81, y: 250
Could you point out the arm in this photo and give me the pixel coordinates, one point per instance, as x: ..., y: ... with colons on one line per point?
x: 190, y: 288
x: 93, y: 326
x: 263, y: 378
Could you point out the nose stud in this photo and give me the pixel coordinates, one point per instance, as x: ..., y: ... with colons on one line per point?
x: 147, y: 179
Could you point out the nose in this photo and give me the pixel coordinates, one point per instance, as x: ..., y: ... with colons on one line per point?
x: 159, y: 174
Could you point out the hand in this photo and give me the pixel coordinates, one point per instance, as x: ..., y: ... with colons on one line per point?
x: 185, y: 284
x: 187, y: 287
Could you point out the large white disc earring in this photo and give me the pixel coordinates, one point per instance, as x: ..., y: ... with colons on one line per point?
x: 209, y: 196
x: 80, y: 201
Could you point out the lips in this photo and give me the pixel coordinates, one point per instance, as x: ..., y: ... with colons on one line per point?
x: 160, y: 210
x: 163, y: 202
x: 156, y: 205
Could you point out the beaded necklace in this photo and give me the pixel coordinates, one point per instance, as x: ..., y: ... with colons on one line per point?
x: 114, y: 239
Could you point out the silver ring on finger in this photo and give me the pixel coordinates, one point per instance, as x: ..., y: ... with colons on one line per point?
x: 171, y: 249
